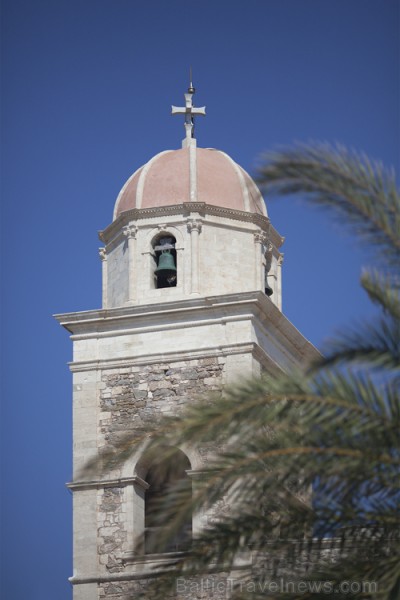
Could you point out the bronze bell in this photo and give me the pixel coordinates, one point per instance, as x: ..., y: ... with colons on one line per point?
x: 166, y: 270
x: 166, y: 263
x: 268, y: 290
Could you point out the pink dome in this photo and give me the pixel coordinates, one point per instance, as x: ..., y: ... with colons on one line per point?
x: 166, y: 180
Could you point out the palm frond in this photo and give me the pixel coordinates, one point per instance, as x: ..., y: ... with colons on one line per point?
x: 374, y: 344
x: 362, y: 192
x: 383, y: 290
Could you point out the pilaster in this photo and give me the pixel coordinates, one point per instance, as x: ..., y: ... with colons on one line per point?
x: 129, y: 232
x: 260, y: 239
x: 194, y: 227
x: 104, y: 275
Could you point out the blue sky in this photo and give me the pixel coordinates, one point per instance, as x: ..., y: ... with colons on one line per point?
x: 86, y: 94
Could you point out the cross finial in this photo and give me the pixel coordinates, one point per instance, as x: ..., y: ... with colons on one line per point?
x: 190, y: 112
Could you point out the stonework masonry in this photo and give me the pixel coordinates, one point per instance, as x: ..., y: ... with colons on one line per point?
x: 214, y: 587
x: 135, y: 395
x: 130, y: 398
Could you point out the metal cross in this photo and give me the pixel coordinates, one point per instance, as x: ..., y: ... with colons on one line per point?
x: 190, y: 112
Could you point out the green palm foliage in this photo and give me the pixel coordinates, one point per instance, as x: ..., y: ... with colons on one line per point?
x: 335, y: 429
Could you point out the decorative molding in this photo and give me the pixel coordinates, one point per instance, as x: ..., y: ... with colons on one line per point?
x: 148, y: 560
x: 170, y: 309
x: 280, y: 259
x: 151, y: 564
x: 76, y: 486
x: 162, y: 326
x: 195, y: 474
x: 231, y: 213
x: 185, y: 209
x: 266, y: 361
x: 128, y: 361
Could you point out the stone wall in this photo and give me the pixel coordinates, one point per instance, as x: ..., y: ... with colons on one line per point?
x: 112, y: 528
x: 129, y: 398
x: 211, y: 587
x: 132, y: 396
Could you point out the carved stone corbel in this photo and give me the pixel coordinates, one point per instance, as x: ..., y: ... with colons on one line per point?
x: 260, y: 237
x: 130, y: 231
x: 194, y: 225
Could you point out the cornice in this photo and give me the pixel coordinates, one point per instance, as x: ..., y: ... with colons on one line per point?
x: 157, y: 308
x: 103, y: 315
x: 161, y: 323
x: 145, y: 359
x: 145, y: 566
x: 254, y: 306
x: 185, y: 209
x: 77, y: 486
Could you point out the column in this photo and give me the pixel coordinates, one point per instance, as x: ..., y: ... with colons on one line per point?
x: 194, y: 228
x: 259, y: 239
x: 103, y: 258
x: 129, y: 232
x: 279, y: 281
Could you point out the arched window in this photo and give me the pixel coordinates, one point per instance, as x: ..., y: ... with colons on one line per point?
x: 165, y: 271
x: 162, y: 474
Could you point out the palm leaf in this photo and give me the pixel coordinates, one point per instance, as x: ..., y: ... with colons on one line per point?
x: 361, y: 192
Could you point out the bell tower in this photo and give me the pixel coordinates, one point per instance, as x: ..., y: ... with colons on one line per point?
x: 191, y: 301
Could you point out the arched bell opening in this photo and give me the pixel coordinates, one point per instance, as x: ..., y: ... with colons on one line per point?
x: 164, y: 474
x: 165, y: 270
